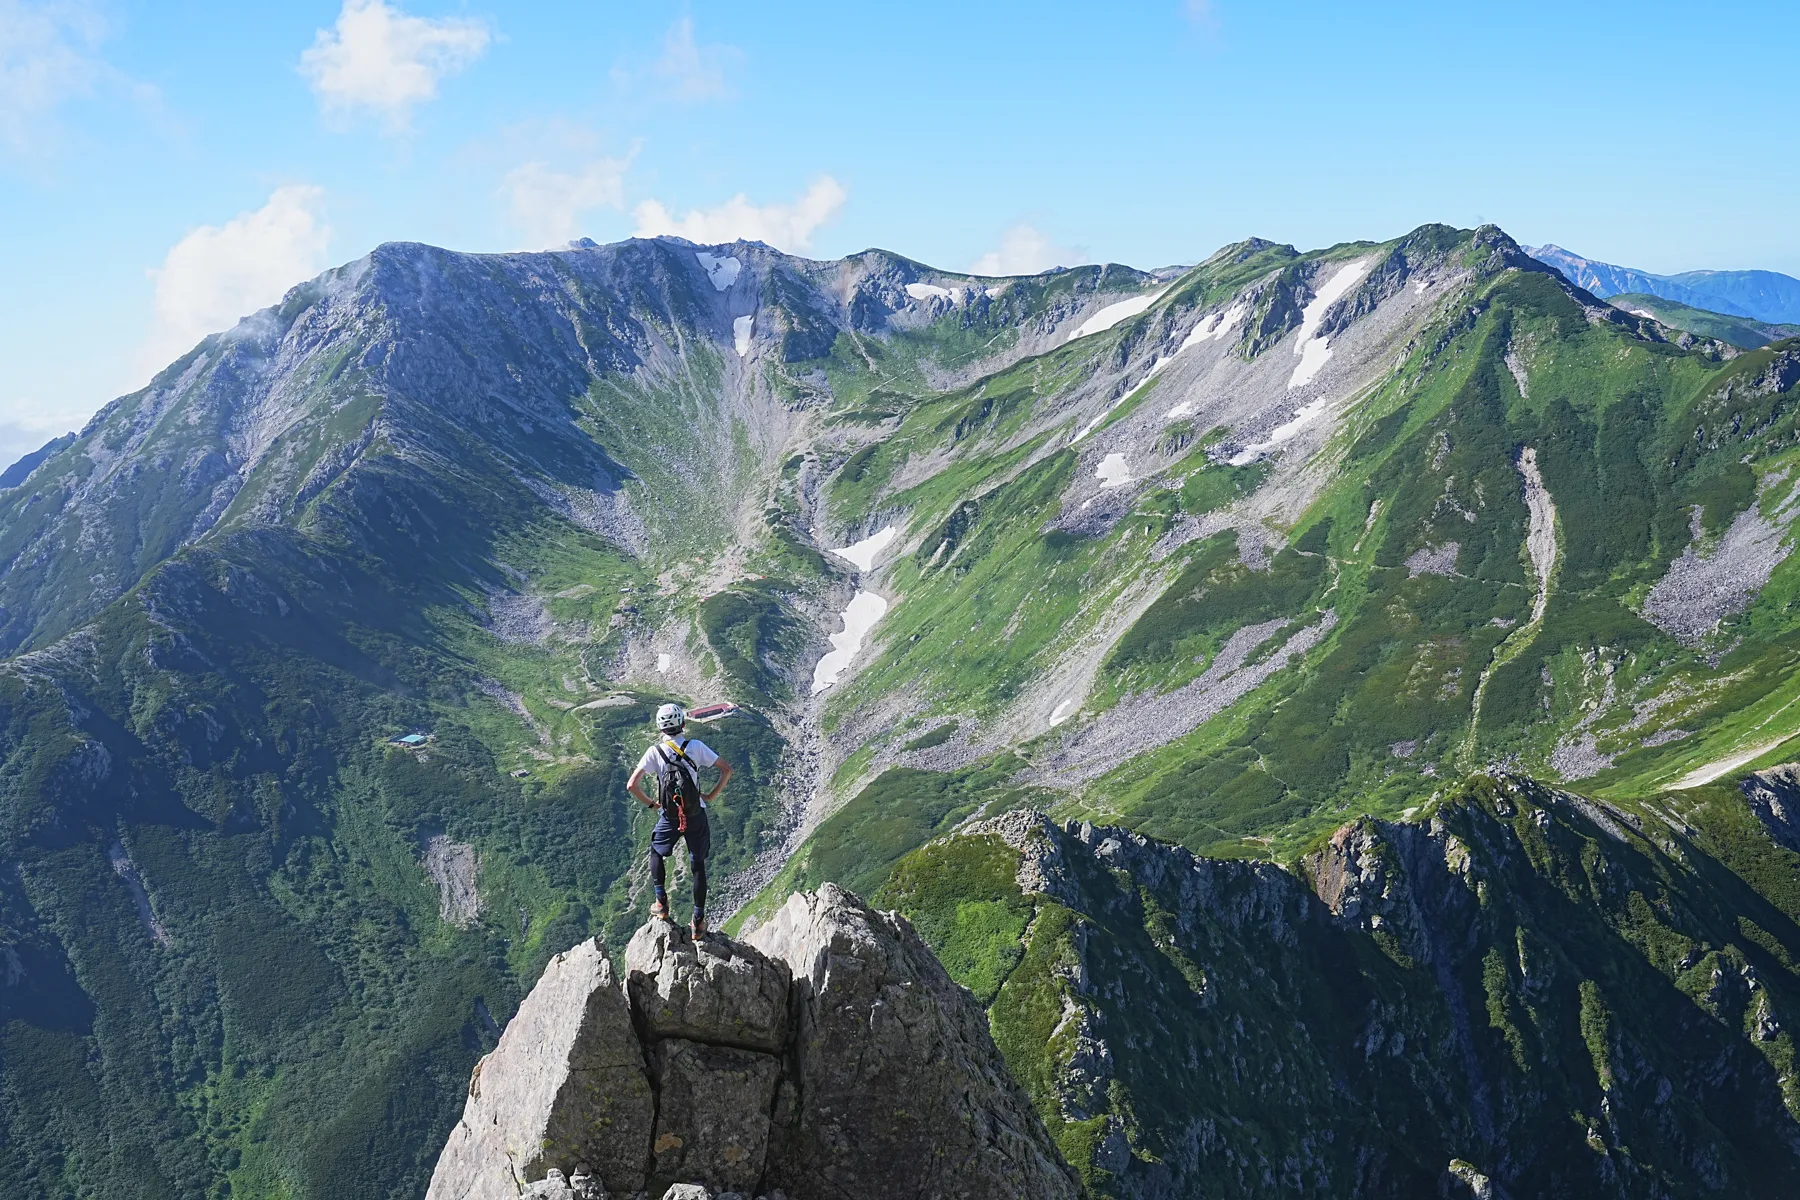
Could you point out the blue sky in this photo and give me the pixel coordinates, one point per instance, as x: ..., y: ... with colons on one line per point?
x: 166, y: 167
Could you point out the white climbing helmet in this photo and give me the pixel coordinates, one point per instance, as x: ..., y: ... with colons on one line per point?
x: 670, y: 717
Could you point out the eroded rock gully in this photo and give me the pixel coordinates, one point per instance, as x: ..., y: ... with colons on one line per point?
x: 829, y: 1057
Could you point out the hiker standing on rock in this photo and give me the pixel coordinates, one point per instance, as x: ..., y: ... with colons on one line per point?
x: 675, y: 763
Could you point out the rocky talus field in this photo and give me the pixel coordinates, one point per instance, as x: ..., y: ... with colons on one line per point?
x: 1322, y: 723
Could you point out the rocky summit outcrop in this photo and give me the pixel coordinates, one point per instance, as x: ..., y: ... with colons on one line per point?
x: 565, y: 1088
x: 830, y: 1057
x: 898, y: 1090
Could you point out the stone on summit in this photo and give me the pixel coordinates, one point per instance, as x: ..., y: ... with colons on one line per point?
x: 713, y: 990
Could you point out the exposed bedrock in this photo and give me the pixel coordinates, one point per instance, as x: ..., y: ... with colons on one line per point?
x: 1774, y: 796
x: 898, y: 1088
x: 831, y: 1056
x: 566, y: 1088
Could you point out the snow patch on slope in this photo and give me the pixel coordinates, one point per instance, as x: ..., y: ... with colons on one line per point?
x: 740, y: 334
x: 862, y: 555
x: 722, y: 271
x: 1112, y: 314
x: 1215, y: 326
x: 865, y: 609
x: 1725, y: 766
x: 1095, y: 423
x: 1112, y: 471
x: 930, y: 291
x: 1312, y: 349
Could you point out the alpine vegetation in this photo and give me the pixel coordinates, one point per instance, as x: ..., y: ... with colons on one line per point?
x: 1323, y: 710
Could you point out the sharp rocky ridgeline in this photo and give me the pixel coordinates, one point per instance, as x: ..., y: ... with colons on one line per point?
x: 829, y: 1056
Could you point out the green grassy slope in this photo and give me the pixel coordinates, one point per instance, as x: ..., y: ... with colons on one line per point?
x: 1429, y: 671
x: 1575, y: 1002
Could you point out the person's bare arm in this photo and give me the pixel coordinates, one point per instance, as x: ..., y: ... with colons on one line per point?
x: 724, y: 774
x: 631, y: 785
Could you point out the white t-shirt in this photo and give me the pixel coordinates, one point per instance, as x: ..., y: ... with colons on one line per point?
x: 697, y: 750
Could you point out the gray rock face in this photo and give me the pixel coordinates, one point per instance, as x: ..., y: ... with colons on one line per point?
x: 1774, y: 796
x: 832, y: 1059
x: 900, y: 1089
x: 713, y: 1113
x: 717, y: 990
x: 565, y: 1088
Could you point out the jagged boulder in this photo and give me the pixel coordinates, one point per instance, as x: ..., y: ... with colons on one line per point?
x: 566, y: 1089
x: 714, y: 990
x: 898, y: 1089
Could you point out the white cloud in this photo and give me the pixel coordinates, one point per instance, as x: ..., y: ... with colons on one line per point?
x: 785, y: 226
x: 46, y: 59
x: 1025, y: 251
x: 693, y: 72
x: 380, y: 59
x: 548, y: 205
x: 219, y: 273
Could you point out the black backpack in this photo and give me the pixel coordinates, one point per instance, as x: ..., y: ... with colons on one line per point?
x: 676, y: 788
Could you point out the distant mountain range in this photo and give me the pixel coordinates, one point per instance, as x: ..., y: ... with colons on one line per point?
x: 1761, y: 295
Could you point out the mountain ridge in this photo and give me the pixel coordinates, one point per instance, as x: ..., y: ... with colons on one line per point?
x: 1230, y: 559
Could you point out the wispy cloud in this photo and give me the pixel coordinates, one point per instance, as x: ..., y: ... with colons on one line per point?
x: 694, y: 72
x: 785, y: 226
x: 1023, y: 250
x: 548, y: 205
x: 219, y: 273
x: 379, y: 59
x: 686, y: 71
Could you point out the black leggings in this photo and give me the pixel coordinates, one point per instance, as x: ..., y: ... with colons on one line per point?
x: 659, y: 876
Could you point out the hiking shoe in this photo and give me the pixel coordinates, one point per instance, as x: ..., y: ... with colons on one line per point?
x: 699, y: 928
x: 659, y: 909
